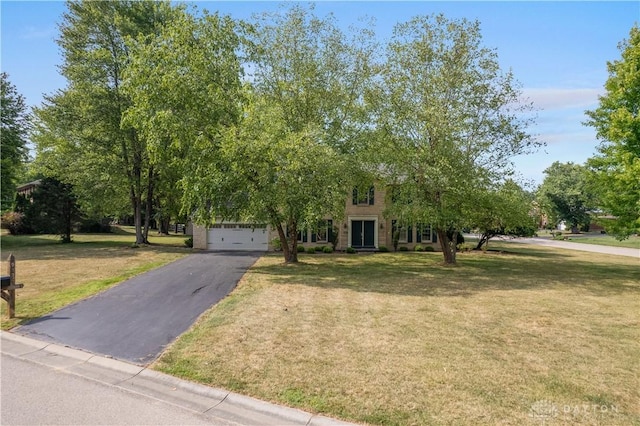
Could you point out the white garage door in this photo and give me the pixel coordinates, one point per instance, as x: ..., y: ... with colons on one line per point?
x: 237, y: 236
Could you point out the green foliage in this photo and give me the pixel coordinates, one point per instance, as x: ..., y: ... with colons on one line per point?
x: 418, y: 247
x: 12, y: 221
x: 351, y: 250
x: 616, y: 168
x: 276, y: 244
x: 301, y: 249
x: 80, y: 135
x: 188, y: 242
x: 13, y: 143
x: 506, y: 210
x: 319, y: 248
x: 449, y: 121
x: 403, y: 248
x: 429, y: 248
x: 327, y: 250
x: 383, y: 249
x: 564, y: 194
x: 56, y: 209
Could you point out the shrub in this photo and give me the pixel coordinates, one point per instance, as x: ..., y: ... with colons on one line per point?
x: 418, y: 247
x: 404, y: 248
x: 429, y: 248
x: 189, y: 242
x: 327, y: 250
x: 276, y: 244
x: 351, y: 250
x: 300, y: 249
x: 319, y: 248
x: 311, y: 250
x: 91, y: 226
x: 383, y: 249
x: 13, y: 222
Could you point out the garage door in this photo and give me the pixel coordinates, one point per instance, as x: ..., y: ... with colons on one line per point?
x: 237, y: 236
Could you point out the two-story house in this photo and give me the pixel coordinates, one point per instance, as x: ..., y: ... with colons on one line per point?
x: 363, y: 227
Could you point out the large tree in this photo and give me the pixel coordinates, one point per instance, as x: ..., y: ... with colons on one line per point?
x: 616, y: 167
x: 506, y: 210
x: 80, y: 134
x: 449, y: 121
x: 565, y: 196
x: 185, y: 89
x: 266, y: 152
x: 13, y: 140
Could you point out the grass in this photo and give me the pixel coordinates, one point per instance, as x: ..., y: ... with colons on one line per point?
x: 55, y: 275
x: 598, y: 239
x: 397, y: 338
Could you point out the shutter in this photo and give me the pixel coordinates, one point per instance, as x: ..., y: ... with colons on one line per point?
x: 330, y: 230
x: 418, y: 233
x: 434, y: 236
x: 355, y: 196
x: 314, y: 237
x: 409, y: 234
x: 371, y: 194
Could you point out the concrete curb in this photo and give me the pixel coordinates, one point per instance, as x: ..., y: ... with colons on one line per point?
x: 211, y: 402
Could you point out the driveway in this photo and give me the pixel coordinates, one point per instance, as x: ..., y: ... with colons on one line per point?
x: 137, y: 319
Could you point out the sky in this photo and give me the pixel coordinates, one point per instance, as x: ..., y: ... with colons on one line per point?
x: 558, y: 51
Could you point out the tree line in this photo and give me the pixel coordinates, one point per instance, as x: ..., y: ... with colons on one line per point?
x: 177, y: 112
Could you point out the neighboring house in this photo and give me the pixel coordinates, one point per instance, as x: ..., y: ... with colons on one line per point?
x: 27, y: 189
x: 363, y: 227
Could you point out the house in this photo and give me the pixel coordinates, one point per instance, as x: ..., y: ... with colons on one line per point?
x: 363, y: 227
x: 27, y: 189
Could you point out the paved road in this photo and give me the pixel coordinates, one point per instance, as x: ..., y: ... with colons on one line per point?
x: 137, y: 319
x: 594, y: 248
x: 48, y: 384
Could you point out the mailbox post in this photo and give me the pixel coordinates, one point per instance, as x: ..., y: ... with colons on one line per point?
x: 9, y: 286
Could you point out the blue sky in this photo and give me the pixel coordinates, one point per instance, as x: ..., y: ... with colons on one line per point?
x: 558, y: 51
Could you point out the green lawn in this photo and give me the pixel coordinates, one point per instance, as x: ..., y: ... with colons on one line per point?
x: 55, y: 275
x: 527, y: 336
x: 597, y: 238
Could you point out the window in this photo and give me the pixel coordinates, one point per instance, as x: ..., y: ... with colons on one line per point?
x: 323, y: 233
x: 402, y: 232
x: 424, y: 233
x: 302, y: 236
x: 363, y: 198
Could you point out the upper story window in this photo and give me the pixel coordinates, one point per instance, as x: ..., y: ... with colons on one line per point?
x: 363, y: 197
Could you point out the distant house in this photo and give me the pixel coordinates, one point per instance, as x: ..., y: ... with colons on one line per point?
x: 363, y: 227
x: 27, y: 189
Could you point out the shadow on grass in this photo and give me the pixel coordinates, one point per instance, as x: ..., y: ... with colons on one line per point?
x: 43, y: 248
x: 422, y: 274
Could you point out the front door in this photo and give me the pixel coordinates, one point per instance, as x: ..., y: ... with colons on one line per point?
x: 363, y: 233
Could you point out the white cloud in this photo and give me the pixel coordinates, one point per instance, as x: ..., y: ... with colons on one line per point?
x: 555, y: 98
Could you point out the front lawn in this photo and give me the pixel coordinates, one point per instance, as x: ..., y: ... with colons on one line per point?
x: 535, y: 335
x: 55, y: 274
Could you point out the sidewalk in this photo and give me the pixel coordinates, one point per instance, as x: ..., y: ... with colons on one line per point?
x: 219, y: 406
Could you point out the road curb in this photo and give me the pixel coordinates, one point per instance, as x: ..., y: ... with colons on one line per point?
x: 211, y: 402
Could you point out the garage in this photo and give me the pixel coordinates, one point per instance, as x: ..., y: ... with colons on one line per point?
x: 237, y: 236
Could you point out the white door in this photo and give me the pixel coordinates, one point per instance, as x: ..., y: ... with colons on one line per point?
x: 237, y: 236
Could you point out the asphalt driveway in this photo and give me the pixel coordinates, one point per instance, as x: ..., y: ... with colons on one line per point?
x: 137, y: 319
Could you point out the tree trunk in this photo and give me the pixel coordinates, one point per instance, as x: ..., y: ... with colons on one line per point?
x: 484, y: 240
x: 448, y: 246
x: 292, y: 229
x: 283, y: 242
x: 149, y: 208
